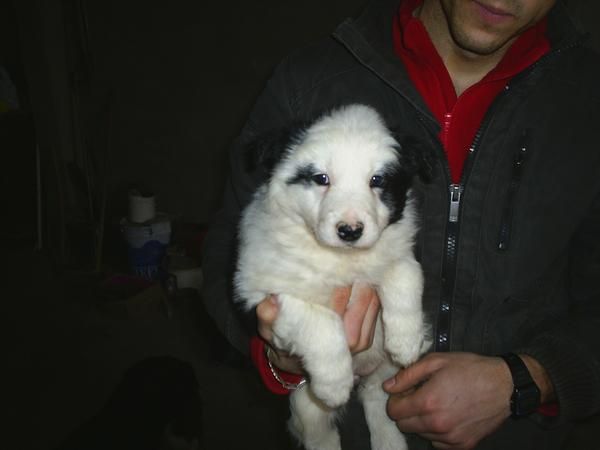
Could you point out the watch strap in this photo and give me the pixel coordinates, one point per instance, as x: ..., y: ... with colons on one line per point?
x: 526, y: 396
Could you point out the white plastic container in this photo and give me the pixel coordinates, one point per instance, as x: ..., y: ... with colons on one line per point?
x: 147, y: 243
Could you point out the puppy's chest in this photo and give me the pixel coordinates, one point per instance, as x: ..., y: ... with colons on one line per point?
x: 313, y: 277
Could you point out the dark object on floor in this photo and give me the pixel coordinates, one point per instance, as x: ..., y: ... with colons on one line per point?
x: 156, y: 406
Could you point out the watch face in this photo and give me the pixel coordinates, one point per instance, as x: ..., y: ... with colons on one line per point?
x: 525, y: 400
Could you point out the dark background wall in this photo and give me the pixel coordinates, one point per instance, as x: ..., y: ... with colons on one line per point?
x: 181, y: 77
x: 140, y: 94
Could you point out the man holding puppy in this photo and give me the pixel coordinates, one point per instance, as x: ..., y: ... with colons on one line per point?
x: 505, y: 93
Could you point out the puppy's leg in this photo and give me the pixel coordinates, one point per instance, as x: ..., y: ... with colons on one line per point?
x: 313, y: 423
x: 384, y: 433
x: 316, y: 334
x: 404, y: 328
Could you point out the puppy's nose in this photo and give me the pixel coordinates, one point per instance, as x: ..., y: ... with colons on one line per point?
x: 350, y: 233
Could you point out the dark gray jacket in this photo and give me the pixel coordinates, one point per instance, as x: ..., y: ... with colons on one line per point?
x: 515, y: 266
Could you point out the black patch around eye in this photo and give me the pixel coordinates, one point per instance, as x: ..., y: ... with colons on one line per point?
x: 394, y: 191
x: 304, y: 175
x: 262, y: 153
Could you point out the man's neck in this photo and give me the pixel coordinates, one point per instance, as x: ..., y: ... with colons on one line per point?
x: 465, y: 68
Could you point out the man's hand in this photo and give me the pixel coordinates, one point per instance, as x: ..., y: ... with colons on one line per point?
x: 358, y: 306
x: 452, y: 399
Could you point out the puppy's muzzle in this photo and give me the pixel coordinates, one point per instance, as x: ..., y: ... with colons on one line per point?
x: 350, y: 233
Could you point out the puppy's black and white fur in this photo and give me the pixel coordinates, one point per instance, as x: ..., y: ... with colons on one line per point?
x: 337, y: 211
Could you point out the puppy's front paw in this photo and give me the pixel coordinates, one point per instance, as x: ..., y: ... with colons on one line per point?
x: 404, y: 348
x: 387, y: 438
x: 333, y: 390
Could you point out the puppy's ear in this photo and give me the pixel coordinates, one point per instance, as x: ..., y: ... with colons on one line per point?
x: 263, y: 153
x: 416, y: 158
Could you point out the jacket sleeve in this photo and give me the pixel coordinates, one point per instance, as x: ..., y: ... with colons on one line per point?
x: 272, y: 111
x: 569, y: 351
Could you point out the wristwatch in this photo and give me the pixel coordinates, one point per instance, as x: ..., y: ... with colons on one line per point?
x: 526, y: 395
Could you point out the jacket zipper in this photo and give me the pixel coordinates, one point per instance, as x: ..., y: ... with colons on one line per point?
x: 442, y: 339
x: 504, y: 235
x: 456, y: 194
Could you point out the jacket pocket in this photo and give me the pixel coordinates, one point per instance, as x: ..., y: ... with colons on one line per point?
x: 506, y: 219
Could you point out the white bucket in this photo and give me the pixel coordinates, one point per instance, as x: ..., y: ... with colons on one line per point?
x: 147, y: 244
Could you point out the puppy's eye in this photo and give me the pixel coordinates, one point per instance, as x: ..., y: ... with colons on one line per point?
x: 377, y: 181
x: 322, y: 179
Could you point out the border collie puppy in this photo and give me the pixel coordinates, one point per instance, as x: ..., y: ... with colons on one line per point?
x: 337, y: 211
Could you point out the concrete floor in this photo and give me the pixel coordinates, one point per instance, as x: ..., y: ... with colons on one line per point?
x: 67, y: 353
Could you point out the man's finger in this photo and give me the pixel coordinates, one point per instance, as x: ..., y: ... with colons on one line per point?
x: 355, y: 316
x: 368, y: 330
x: 341, y: 297
x: 406, y: 411
x: 411, y: 376
x: 266, y: 313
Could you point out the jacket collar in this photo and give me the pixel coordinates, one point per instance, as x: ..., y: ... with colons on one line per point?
x: 369, y: 39
x: 375, y: 23
x: 562, y: 31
